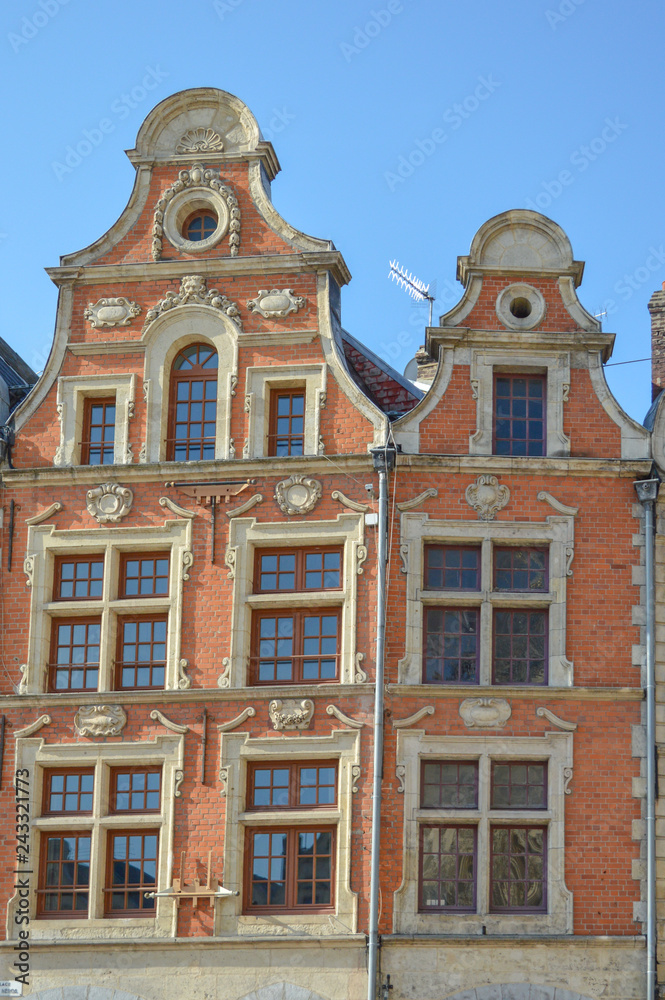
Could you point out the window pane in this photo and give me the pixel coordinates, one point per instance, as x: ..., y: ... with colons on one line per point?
x: 447, y: 868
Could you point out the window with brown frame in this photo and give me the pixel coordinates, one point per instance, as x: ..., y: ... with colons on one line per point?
x: 286, y: 427
x: 68, y: 792
x: 287, y: 785
x: 144, y: 574
x: 200, y: 225
x: 452, y: 567
x: 74, y: 663
x: 449, y: 784
x: 64, y: 874
x: 289, y: 869
x: 518, y: 879
x: 135, y: 789
x: 448, y: 862
x: 193, y: 405
x: 131, y: 871
x: 520, y: 569
x: 141, y: 657
x: 98, y: 442
x: 520, y: 784
x: 78, y: 578
x: 295, y: 646
x: 282, y: 570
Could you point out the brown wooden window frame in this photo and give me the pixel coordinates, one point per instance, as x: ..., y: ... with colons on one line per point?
x: 147, y: 906
x: 57, y: 772
x: 103, y: 446
x: 297, y: 656
x: 120, y: 663
x: 113, y: 789
x: 200, y: 213
x: 513, y: 449
x: 300, y: 568
x: 61, y: 561
x: 519, y: 806
x: 452, y: 547
x: 54, y: 666
x: 529, y: 550
x: 461, y: 658
x: 458, y: 785
x: 518, y: 826
x: 473, y: 881
x: 290, y: 904
x: 294, y: 786
x: 127, y: 557
x: 514, y: 661
x: 195, y: 373
x: 76, y: 889
x: 291, y: 438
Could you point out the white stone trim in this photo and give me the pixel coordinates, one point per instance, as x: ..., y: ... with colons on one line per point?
x: 186, y: 202
x: 73, y: 390
x: 262, y: 380
x: 557, y: 750
x: 164, y: 338
x: 45, y: 542
x: 533, y: 297
x: 484, y: 363
x: 236, y: 751
x: 245, y: 535
x: 556, y: 531
x: 35, y: 755
x: 635, y: 439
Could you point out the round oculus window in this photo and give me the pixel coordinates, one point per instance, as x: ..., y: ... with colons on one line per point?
x: 520, y: 307
x: 196, y: 220
x: 199, y: 226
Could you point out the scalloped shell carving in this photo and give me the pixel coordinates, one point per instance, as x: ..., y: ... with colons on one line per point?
x: 200, y: 140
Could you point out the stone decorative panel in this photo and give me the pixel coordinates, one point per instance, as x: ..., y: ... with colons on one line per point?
x: 100, y: 720
x: 196, y: 188
x: 485, y: 713
x: 194, y: 291
x: 111, y: 312
x: 109, y: 502
x: 275, y: 304
x: 487, y: 497
x: 291, y: 714
x: 200, y: 140
x: 298, y: 494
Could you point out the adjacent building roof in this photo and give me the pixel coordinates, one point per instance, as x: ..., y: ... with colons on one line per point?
x: 389, y: 390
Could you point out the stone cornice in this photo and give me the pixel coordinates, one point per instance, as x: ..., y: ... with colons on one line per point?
x: 245, y: 339
x: 454, y: 692
x: 218, y: 267
x: 532, y: 341
x: 466, y: 271
x: 84, y: 475
x: 264, y: 153
x: 318, y: 941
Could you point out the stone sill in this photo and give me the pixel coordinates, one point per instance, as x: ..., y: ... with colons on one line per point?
x: 246, y: 940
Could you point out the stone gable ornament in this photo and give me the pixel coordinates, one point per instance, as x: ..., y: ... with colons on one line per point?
x: 485, y: 713
x: 109, y: 503
x: 100, y: 720
x: 291, y: 714
x: 275, y: 304
x: 200, y: 140
x: 111, y: 312
x: 298, y: 494
x: 487, y: 497
x: 193, y: 291
x: 196, y: 188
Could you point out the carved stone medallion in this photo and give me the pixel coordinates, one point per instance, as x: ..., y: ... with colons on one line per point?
x: 193, y: 291
x: 111, y: 312
x: 100, y: 720
x: 275, y: 304
x: 298, y: 494
x: 109, y: 502
x: 196, y: 188
x: 487, y: 497
x: 485, y: 713
x: 291, y: 714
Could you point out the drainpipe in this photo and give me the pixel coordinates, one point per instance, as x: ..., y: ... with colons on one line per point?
x: 647, y: 493
x: 384, y: 460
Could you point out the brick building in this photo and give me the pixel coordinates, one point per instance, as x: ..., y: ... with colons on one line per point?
x: 189, y: 655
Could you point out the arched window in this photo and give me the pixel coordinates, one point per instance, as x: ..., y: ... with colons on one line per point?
x: 193, y: 405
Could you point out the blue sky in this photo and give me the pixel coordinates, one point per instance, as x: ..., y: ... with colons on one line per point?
x: 560, y: 106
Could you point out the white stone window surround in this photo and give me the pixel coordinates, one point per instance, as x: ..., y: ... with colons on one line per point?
x: 237, y: 750
x: 246, y: 534
x: 414, y: 746
x: 555, y: 366
x: 36, y: 755
x: 262, y: 380
x: 45, y: 543
x: 555, y: 532
x: 164, y: 338
x: 73, y: 391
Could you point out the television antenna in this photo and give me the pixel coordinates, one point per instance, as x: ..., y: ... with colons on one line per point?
x: 416, y: 288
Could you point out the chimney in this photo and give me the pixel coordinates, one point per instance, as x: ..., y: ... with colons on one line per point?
x: 427, y: 366
x: 657, y: 310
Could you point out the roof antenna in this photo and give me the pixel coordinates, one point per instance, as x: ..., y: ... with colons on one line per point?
x: 416, y: 288
x: 599, y: 315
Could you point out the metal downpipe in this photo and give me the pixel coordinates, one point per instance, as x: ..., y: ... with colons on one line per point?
x: 647, y: 492
x: 384, y: 459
